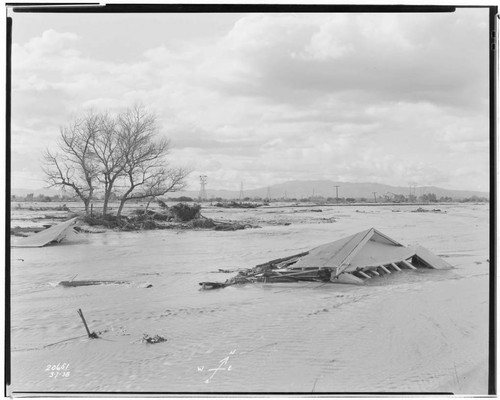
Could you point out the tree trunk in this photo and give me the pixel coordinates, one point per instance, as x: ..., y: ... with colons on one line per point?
x: 86, y: 203
x: 119, y: 212
x: 107, y: 194
x: 148, y: 203
x: 105, y: 204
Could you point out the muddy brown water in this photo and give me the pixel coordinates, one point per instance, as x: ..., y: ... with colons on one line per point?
x: 414, y: 331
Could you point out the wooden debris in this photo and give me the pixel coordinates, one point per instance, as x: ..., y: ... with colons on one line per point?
x: 88, y: 283
x: 92, y: 335
x: 153, y: 339
x: 385, y: 269
x: 348, y: 260
x: 395, y: 267
x: 408, y: 264
x: 212, y: 285
x: 364, y: 274
x: 282, y: 260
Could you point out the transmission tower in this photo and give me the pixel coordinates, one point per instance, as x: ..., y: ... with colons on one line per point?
x: 203, y: 192
x: 413, y: 188
x: 337, y: 193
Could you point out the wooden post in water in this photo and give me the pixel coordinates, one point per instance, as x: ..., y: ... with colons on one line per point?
x: 91, y: 335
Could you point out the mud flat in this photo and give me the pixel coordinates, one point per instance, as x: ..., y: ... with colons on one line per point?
x: 408, y: 332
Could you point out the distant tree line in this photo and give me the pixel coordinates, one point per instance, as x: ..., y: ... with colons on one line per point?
x: 426, y: 198
x: 41, y: 198
x: 118, y: 157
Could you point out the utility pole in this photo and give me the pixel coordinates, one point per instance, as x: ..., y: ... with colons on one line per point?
x: 241, y: 191
x: 337, y: 193
x: 375, y: 196
x: 268, y: 194
x: 203, y: 183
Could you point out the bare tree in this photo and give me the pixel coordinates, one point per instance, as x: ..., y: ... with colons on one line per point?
x: 122, y: 154
x: 110, y: 158
x: 146, y: 173
x: 74, y: 166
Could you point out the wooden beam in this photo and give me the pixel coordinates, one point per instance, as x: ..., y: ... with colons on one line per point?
x: 408, y: 264
x: 395, y: 267
x: 374, y: 272
x: 363, y: 274
x: 281, y: 260
x: 385, y: 269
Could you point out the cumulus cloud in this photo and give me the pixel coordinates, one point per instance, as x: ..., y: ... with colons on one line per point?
x: 381, y: 97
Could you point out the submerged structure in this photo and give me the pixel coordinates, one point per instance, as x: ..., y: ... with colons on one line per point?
x: 54, y: 234
x: 353, y: 260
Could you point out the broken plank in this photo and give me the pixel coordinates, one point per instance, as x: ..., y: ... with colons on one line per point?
x: 280, y: 260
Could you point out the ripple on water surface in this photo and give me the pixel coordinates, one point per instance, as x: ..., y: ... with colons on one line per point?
x: 411, y: 331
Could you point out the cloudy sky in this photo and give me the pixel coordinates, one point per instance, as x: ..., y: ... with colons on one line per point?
x: 266, y: 98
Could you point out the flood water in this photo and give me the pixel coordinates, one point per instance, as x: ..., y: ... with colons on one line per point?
x: 413, y: 331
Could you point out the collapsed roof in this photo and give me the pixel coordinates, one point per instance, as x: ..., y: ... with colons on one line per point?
x: 353, y: 259
x: 365, y: 250
x: 54, y: 234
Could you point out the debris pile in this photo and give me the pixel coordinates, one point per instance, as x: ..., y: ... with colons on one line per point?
x: 153, y: 339
x: 234, y: 204
x: 351, y: 260
x: 179, y: 216
x: 435, y: 210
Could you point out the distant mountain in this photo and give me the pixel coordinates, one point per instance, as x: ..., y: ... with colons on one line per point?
x: 324, y: 188
x: 303, y: 189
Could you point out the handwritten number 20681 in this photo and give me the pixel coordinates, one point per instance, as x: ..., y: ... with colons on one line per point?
x: 57, y: 367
